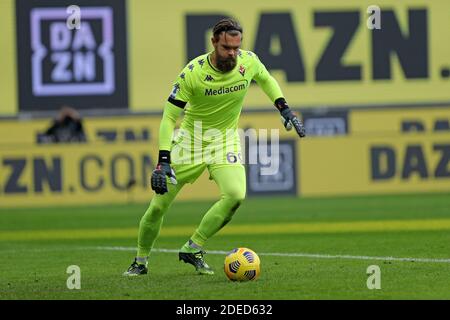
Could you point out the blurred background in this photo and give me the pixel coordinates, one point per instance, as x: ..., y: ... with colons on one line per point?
x: 80, y: 107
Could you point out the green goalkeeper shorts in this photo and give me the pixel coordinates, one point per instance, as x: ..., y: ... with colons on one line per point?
x: 189, y: 162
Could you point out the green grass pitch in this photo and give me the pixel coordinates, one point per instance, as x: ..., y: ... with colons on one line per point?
x: 309, y: 249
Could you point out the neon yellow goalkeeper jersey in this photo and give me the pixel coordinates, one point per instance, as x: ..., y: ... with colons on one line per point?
x: 212, y: 101
x: 215, y: 98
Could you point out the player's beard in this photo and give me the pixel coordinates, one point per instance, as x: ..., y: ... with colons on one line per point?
x: 225, y: 64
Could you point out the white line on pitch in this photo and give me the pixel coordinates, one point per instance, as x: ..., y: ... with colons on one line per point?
x: 293, y: 254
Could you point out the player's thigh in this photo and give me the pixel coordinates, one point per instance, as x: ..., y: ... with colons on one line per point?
x: 185, y: 173
x: 188, y: 173
x: 230, y: 179
x: 161, y: 202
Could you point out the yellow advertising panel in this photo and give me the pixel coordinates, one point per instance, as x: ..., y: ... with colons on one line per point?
x: 322, y: 52
x: 104, y: 129
x: 94, y: 173
x: 404, y: 120
x: 368, y: 165
x: 129, y: 129
x: 8, y: 88
x: 114, y: 165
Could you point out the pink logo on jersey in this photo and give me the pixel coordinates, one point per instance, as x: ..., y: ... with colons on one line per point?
x: 242, y: 70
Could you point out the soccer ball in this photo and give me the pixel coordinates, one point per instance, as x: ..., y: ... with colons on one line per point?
x: 242, y: 264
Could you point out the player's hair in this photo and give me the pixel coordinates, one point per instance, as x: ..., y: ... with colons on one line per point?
x: 227, y: 25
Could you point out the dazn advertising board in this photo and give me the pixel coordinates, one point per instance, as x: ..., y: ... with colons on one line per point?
x: 81, y: 63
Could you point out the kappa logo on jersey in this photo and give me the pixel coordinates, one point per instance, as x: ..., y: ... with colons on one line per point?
x: 209, y: 78
x: 201, y: 62
x: 182, y: 75
x: 242, y: 70
x: 191, y: 66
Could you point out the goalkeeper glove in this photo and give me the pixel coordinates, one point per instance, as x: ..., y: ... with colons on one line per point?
x: 288, y: 118
x: 163, y: 170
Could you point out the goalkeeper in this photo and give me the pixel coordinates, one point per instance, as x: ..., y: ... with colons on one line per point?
x: 214, y: 85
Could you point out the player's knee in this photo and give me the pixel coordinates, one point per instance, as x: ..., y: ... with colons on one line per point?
x: 235, y: 206
x: 234, y: 202
x: 154, y: 213
x: 234, y: 199
x: 237, y: 196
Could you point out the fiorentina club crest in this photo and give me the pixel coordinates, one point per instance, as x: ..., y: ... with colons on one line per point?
x: 242, y: 70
